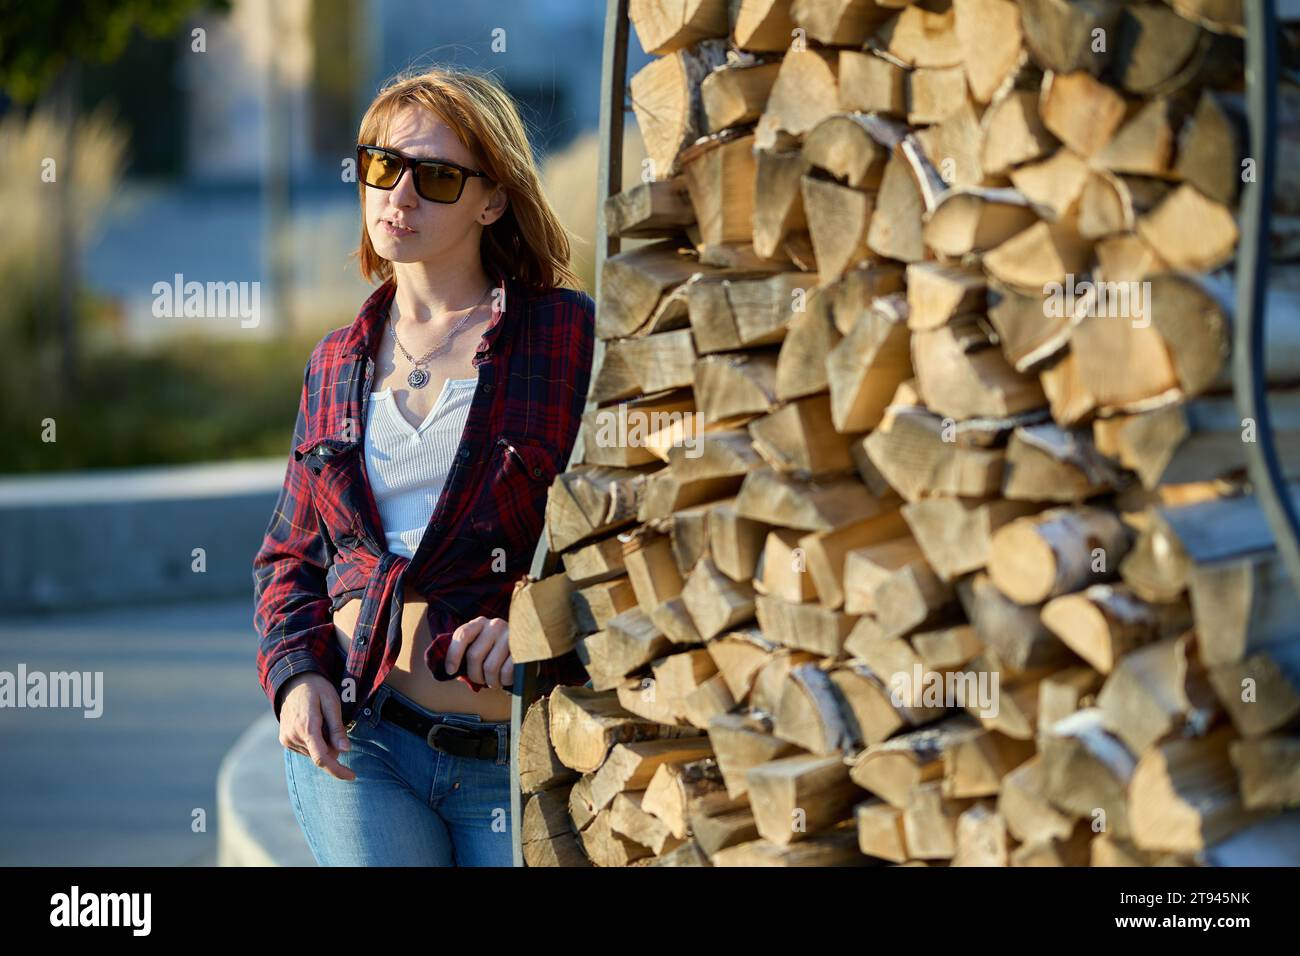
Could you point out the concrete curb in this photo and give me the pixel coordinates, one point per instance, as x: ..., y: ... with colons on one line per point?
x: 255, y: 821
x: 191, y: 532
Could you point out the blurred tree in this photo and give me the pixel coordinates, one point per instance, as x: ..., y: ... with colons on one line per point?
x: 41, y: 46
x: 39, y: 40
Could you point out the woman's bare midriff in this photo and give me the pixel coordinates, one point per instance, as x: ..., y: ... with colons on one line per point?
x: 410, y: 675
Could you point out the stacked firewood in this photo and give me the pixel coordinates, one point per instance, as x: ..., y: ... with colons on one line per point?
x: 912, y: 522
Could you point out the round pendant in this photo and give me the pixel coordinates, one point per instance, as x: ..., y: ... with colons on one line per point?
x: 418, y: 378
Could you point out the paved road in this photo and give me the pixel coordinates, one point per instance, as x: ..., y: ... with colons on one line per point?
x: 179, y: 687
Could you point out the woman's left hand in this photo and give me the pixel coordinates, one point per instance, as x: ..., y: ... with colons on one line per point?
x: 484, y: 645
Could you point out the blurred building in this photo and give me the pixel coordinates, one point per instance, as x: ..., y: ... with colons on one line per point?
x: 241, y: 124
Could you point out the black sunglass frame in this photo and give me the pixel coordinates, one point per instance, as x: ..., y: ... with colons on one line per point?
x: 408, y: 162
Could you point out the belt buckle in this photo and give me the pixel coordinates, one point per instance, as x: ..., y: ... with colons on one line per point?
x: 431, y: 738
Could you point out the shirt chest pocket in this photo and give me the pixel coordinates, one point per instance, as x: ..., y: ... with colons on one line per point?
x: 510, y: 506
x: 331, y: 466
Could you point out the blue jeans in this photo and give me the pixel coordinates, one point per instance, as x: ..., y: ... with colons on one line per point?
x: 410, y: 805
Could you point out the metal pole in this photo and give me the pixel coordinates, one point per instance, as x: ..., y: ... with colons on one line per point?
x: 609, y: 179
x: 1249, y: 379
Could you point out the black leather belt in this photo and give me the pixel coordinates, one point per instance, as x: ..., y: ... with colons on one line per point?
x: 437, y: 733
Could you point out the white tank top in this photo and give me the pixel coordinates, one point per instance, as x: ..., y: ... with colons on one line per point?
x: 407, y: 466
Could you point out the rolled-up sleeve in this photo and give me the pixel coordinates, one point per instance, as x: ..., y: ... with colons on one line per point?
x: 292, y: 612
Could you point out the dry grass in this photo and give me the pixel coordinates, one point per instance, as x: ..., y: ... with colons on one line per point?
x: 31, y: 204
x: 569, y: 178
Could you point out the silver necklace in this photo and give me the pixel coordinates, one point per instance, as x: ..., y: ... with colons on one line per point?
x: 418, y: 377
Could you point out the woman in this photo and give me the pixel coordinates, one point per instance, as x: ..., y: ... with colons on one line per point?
x: 428, y: 433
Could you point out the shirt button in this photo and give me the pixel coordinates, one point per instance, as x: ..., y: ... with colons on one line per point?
x: 487, y: 386
x: 366, y: 712
x: 537, y: 472
x: 464, y: 453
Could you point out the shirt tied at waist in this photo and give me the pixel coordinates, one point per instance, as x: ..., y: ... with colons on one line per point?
x: 381, y: 614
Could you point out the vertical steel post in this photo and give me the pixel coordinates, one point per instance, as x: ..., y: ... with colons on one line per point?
x: 609, y: 179
x: 1249, y: 379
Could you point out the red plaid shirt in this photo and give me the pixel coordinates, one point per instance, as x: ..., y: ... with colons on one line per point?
x: 325, y: 543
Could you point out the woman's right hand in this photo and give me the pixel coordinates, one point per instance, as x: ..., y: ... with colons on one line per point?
x: 311, y: 722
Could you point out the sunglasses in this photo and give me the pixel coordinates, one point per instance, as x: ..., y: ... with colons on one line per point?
x: 435, y: 179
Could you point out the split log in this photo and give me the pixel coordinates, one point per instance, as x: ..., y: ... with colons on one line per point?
x: 930, y: 822
x: 1061, y: 35
x: 838, y: 22
x: 880, y: 831
x: 800, y: 439
x: 1189, y: 231
x: 1104, y: 622
x: 1059, y: 551
x: 805, y: 93
x: 834, y: 848
x: 719, y: 173
x: 919, y: 37
x: 585, y: 724
x: 867, y: 366
x: 1082, y: 112
x: 1184, y: 796
x: 778, y: 199
x: 664, y: 26
x: 594, y: 605
x: 1023, y: 804
x: 627, y: 818
x: 741, y: 742
x: 838, y: 220
x: 806, y: 626
x: 540, y: 768
x: 605, y: 847
x: 810, y: 715
x: 630, y: 766
x: 667, y: 102
x: 808, y: 505
x: 1268, y: 769
x: 761, y: 25
x: 955, y: 533
x: 1156, y: 692
x: 546, y: 837
x: 1048, y: 463
x: 1014, y: 133
x: 975, y: 219
x: 1261, y: 693
x: 795, y: 797
x: 870, y: 83
x: 913, y: 452
x: 591, y: 501
x: 962, y: 375
x: 825, y: 551
x: 992, y: 44
x: 981, y: 838
x: 678, y: 789
x: 658, y: 208
x: 541, y: 620
x: 736, y: 95
x: 735, y: 385
x: 1014, y: 632
x: 1087, y: 772
x: 892, y: 769
x: 937, y: 293
x: 716, y: 602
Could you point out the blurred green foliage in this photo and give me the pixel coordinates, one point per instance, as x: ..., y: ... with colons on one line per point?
x: 192, y: 399
x: 38, y: 38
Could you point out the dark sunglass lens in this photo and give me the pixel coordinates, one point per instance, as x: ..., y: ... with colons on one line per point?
x: 438, y: 183
x: 379, y: 169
